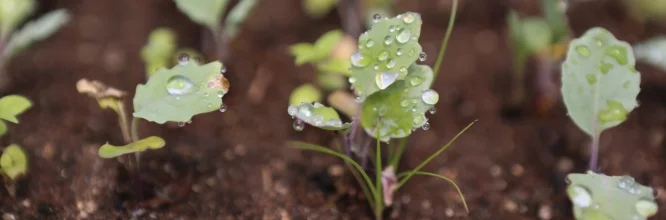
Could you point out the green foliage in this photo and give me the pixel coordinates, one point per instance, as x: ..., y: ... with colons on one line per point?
x: 599, y: 81
x: 110, y: 151
x: 400, y: 108
x: 204, y: 12
x: 649, y: 10
x: 652, y: 51
x: 528, y: 35
x: 600, y: 197
x: 318, y: 8
x: 181, y: 92
x: 237, y: 15
x: 317, y: 115
x: 335, y: 66
x: 35, y: 31
x: 331, y: 81
x: 158, y: 51
x: 14, y: 162
x: 12, y: 13
x: 13, y: 105
x: 305, y: 93
x: 319, y: 51
x: 556, y: 18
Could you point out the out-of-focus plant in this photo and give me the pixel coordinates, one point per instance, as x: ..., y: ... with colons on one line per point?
x: 647, y: 10
x: 13, y: 162
x: 599, y: 86
x: 14, y: 41
x: 160, y: 51
x: 209, y: 14
x: 318, y: 8
x: 393, y: 95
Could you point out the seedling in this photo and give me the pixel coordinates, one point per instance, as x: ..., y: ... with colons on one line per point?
x: 209, y: 12
x: 599, y: 87
x: 13, y: 41
x: 160, y: 51
x: 13, y: 162
x: 393, y: 93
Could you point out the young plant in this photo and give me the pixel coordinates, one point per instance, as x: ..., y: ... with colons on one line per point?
x: 160, y: 51
x: 13, y: 162
x: 599, y: 87
x: 209, y: 12
x: 13, y: 41
x: 394, y: 94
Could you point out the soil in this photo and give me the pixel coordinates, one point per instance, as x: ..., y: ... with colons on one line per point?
x: 235, y: 165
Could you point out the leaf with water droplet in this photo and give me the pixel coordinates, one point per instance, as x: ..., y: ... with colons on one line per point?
x: 14, y: 162
x: 597, y: 196
x: 305, y: 93
x: 203, y: 12
x: 34, y: 31
x: 401, y: 107
x: 602, y: 86
x: 110, y: 151
x: 317, y: 115
x: 157, y: 52
x: 177, y: 94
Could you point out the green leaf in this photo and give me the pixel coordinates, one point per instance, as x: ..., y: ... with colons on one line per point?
x: 317, y: 115
x: 159, y: 49
x: 388, y: 49
x: 597, y: 196
x: 305, y: 93
x: 35, y: 31
x: 331, y: 81
x: 325, y: 44
x: 181, y: 92
x: 304, y: 53
x: 400, y: 108
x: 203, y: 12
x: 319, y: 51
x: 13, y: 12
x: 13, y: 105
x: 318, y: 8
x: 3, y: 128
x: 599, y: 81
x: 14, y: 162
x: 237, y: 15
x: 110, y: 151
x: 652, y: 51
x: 335, y: 66
x: 536, y: 34
x: 556, y: 18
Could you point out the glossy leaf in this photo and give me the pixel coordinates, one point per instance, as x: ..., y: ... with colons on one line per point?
x: 237, y: 15
x: 599, y: 82
x: 35, y: 31
x: 13, y: 13
x: 317, y: 115
x: 157, y: 52
x: 305, y: 93
x: 388, y: 49
x: 110, y: 151
x: 400, y: 108
x: 13, y: 105
x: 204, y: 12
x: 318, y: 8
x: 597, y: 196
x: 14, y: 162
x: 652, y: 51
x: 181, y: 92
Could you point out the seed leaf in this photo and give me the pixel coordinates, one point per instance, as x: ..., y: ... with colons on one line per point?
x: 597, y: 196
x: 652, y: 51
x: 14, y: 162
x: 599, y: 81
x: 181, y: 92
x: 390, y: 46
x: 237, y: 15
x: 203, y: 12
x: 157, y: 52
x: 110, y: 151
x: 318, y: 115
x: 305, y: 93
x: 14, y: 12
x: 35, y: 31
x: 401, y: 107
x: 13, y: 105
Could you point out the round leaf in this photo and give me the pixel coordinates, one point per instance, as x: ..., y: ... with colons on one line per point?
x: 317, y: 115
x: 110, y: 151
x: 14, y: 162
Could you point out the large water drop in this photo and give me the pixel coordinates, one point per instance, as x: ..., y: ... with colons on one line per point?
x: 423, y: 56
x: 403, y: 35
x: 180, y: 85
x: 298, y: 125
x: 646, y: 208
x: 430, y: 97
x: 223, y: 107
x: 183, y: 58
x: 385, y: 79
x: 358, y: 60
x: 388, y: 40
x: 579, y: 196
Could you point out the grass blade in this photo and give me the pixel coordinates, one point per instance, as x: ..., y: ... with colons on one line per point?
x: 441, y: 177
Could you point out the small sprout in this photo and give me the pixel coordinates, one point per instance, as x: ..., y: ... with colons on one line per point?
x: 318, y: 8
x: 319, y: 51
x: 316, y: 115
x: 237, y: 15
x: 305, y: 93
x: 192, y: 54
x: 107, y: 97
x: 331, y: 81
x: 110, y: 151
x: 159, y: 49
x: 340, y: 67
x: 14, y: 162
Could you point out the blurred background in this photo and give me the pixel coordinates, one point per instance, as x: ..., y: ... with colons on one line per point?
x: 235, y: 165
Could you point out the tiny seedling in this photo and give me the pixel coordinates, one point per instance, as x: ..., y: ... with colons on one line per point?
x: 394, y: 93
x: 599, y: 87
x: 13, y: 161
x: 13, y: 41
x: 209, y: 12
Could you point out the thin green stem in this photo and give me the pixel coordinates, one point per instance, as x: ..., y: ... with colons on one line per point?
x: 379, y: 205
x: 594, y: 155
x: 395, y: 160
x: 134, y: 131
x: 442, y: 177
x: 425, y: 162
x: 445, y: 42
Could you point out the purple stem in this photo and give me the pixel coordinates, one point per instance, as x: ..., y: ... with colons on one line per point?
x: 352, y: 132
x: 364, y: 153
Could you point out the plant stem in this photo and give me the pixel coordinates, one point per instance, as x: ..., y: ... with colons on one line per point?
x: 352, y: 131
x: 122, y: 117
x: 449, y: 29
x: 379, y: 205
x: 395, y: 160
x: 135, y: 137
x: 359, y: 179
x: 220, y: 39
x: 594, y: 154
x: 441, y: 177
x: 351, y: 24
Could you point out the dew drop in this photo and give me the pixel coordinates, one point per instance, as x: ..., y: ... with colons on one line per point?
x: 430, y: 97
x: 411, y: 52
x: 618, y: 53
x: 418, y: 120
x: 591, y: 79
x: 196, y: 60
x: 370, y: 43
x: 375, y: 67
x: 392, y: 28
x: 646, y: 208
x: 352, y: 80
x: 209, y: 105
x: 385, y: 79
x: 403, y: 69
x: 408, y: 18
x: 181, y: 124
x: 189, y: 122
x: 426, y: 126
x: 382, y: 56
x: 223, y: 107
x: 205, y: 94
x: 390, y: 64
x: 298, y: 125
x: 388, y: 40
x: 579, y: 196
x: 399, y: 52
x: 358, y: 60
x: 223, y: 70
x: 179, y: 85
x: 629, y: 184
x: 423, y: 56
x: 433, y: 110
x: 583, y: 50
x: 220, y: 94
x: 404, y: 103
x: 614, y: 112
x: 183, y: 58
x: 415, y: 80
x: 376, y: 18
x: 403, y: 35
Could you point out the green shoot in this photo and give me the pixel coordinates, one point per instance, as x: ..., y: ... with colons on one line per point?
x: 11, y: 107
x: 652, y: 51
x: 14, y: 162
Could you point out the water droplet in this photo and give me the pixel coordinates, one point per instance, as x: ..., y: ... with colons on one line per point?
x: 591, y: 79
x: 605, y: 67
x: 408, y: 18
x: 181, y: 124
x: 618, y: 53
x: 305, y: 110
x: 583, y: 50
x: 358, y: 60
x: 579, y: 196
x: 375, y: 67
x: 180, y: 85
x: 382, y: 56
x: 403, y: 35
x: 646, y: 208
x: 418, y: 120
x: 430, y: 97
x: 433, y: 110
x: 629, y: 184
x: 411, y: 52
x: 352, y: 80
x: 426, y: 126
x: 404, y: 103
x: 376, y: 18
x: 384, y: 80
x: 399, y: 52
x: 205, y: 94
x: 625, y: 84
x: 392, y: 28
x: 196, y: 60
x: 423, y: 56
x: 183, y: 58
x: 388, y: 40
x: 223, y: 70
x: 298, y: 125
x: 223, y: 107
x: 369, y: 43
x: 189, y: 122
x: 390, y: 64
x: 614, y: 112
x: 415, y: 80
x: 220, y: 94
x: 177, y: 97
x: 403, y: 69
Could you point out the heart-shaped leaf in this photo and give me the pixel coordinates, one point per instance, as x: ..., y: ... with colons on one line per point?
x: 181, y: 92
x: 317, y: 115
x: 203, y: 12
x: 110, y: 151
x: 599, y: 81
x: 14, y: 162
x: 159, y: 49
x: 13, y: 105
x: 35, y: 31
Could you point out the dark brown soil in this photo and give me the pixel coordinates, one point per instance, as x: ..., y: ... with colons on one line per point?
x: 235, y: 165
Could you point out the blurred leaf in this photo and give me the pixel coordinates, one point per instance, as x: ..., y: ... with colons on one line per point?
x: 331, y: 81
x: 192, y: 53
x: 388, y: 49
x: 599, y: 81
x: 35, y: 31
x: 13, y: 105
x: 181, y: 92
x: 325, y: 44
x: 304, y: 53
x: 157, y: 52
x: 14, y: 162
x: 537, y: 35
x: 318, y: 115
x: 110, y: 151
x: 650, y: 10
x: 13, y: 12
x: 518, y: 48
x: 203, y: 12
x: 597, y: 196
x: 3, y: 128
x: 652, y: 51
x: 237, y: 15
x: 319, y: 51
x: 318, y: 8
x: 305, y: 93
x: 556, y: 17
x: 344, y: 102
x: 400, y: 108
x: 335, y: 66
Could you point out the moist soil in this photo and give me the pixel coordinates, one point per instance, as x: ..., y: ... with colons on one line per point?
x: 235, y: 165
